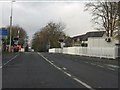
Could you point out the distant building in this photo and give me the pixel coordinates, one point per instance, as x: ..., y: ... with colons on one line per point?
x: 82, y: 40
x: 94, y: 39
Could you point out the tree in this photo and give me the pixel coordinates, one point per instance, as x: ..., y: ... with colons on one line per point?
x: 68, y: 41
x: 54, y: 33
x: 15, y: 29
x: 36, y: 42
x: 118, y: 35
x: 105, y: 14
x: 48, y: 36
x: 119, y: 10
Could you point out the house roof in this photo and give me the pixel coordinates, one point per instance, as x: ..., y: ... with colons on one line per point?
x: 85, y: 37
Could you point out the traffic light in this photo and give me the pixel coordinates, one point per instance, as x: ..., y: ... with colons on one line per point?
x: 61, y: 40
x: 15, y: 40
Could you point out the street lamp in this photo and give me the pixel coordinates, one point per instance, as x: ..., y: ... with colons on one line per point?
x: 119, y: 20
x: 11, y: 15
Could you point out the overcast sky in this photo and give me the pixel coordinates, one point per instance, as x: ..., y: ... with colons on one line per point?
x: 34, y: 15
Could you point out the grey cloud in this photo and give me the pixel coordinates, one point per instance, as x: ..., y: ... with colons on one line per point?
x: 34, y: 15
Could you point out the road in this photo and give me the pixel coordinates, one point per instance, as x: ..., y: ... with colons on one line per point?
x: 44, y: 70
x: 0, y: 70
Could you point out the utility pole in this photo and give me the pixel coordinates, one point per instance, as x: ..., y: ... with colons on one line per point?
x: 119, y: 30
x: 11, y: 16
x: 119, y: 20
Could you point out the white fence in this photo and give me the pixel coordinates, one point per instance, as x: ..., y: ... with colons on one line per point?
x: 87, y: 51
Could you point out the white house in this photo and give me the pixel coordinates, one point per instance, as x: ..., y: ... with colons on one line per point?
x: 95, y: 44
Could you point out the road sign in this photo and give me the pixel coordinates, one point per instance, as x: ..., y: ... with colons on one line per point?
x: 3, y: 32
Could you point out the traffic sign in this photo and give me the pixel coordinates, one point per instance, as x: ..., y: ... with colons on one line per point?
x: 3, y: 32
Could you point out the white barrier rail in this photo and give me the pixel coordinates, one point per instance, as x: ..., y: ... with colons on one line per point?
x: 86, y: 51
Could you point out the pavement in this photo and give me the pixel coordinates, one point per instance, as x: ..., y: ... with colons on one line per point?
x: 45, y: 70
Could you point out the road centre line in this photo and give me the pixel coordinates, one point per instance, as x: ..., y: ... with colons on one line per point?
x: 8, y: 61
x: 64, y: 68
x: 79, y: 81
x: 82, y: 83
x: 68, y: 74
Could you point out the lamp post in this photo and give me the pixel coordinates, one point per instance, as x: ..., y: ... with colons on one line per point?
x: 119, y: 20
x: 119, y: 31
x: 11, y: 15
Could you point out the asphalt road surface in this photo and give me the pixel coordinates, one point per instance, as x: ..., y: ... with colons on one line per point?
x: 0, y: 71
x: 44, y: 70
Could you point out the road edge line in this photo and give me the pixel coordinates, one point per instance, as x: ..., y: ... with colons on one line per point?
x: 8, y: 61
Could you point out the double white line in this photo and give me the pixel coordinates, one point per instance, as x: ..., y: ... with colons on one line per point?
x: 8, y: 61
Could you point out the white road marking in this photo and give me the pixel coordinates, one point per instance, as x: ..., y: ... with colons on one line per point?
x: 68, y: 74
x: 86, y: 62
x: 52, y: 61
x: 93, y: 64
x: 64, y: 68
x: 111, y: 69
x: 114, y: 66
x: 8, y: 61
x: 0, y: 67
x: 83, y: 83
x: 59, y: 68
x: 79, y: 81
x: 100, y: 66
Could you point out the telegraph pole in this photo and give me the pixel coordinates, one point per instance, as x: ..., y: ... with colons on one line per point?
x: 11, y: 16
x: 119, y: 19
x: 119, y: 31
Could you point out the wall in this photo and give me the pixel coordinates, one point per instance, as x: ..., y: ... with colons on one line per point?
x: 100, y: 42
x: 85, y: 51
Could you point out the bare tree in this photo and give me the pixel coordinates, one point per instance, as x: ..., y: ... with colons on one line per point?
x: 105, y: 14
